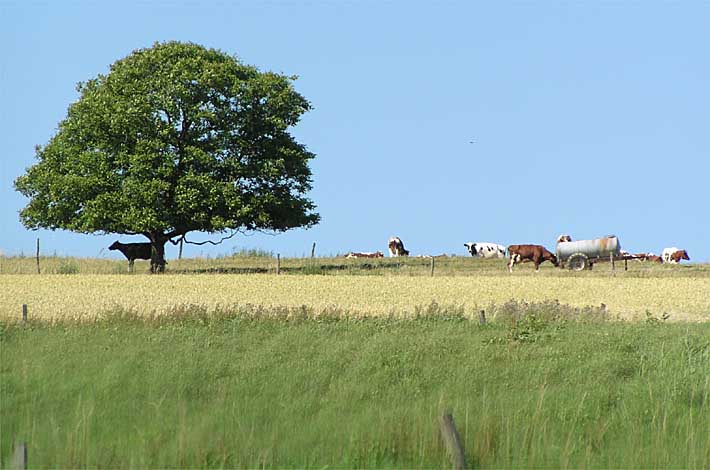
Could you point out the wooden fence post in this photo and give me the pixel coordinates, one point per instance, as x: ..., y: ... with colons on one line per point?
x: 19, y: 459
x: 278, y: 263
x: 482, y: 317
x: 452, y: 440
x: 613, y: 265
x: 38, y: 256
x: 313, y: 250
x: 180, y: 251
x: 24, y: 313
x: 432, y: 266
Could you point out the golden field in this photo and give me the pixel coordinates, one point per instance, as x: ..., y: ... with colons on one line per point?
x: 88, y: 295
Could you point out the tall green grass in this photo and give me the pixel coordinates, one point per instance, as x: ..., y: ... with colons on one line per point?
x: 256, y: 388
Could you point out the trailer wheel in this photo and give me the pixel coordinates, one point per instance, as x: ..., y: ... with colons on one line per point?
x: 578, y: 262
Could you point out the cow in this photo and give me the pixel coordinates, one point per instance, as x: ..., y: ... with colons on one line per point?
x: 396, y: 247
x: 673, y: 255
x: 485, y: 250
x: 367, y: 254
x: 564, y: 238
x: 132, y: 251
x: 535, y: 253
x: 650, y: 256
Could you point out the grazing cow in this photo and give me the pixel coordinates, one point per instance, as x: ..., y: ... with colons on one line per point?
x: 673, y: 255
x: 396, y: 247
x: 535, y: 253
x: 485, y: 250
x: 132, y: 251
x: 367, y: 254
x: 564, y: 238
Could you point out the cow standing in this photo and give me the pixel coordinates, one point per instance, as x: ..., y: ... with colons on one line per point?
x: 396, y: 247
x: 535, y: 253
x: 485, y: 249
x: 674, y: 254
x: 133, y: 251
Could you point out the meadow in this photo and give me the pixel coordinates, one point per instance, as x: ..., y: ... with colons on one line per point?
x: 290, y: 389
x: 338, y: 363
x: 88, y: 288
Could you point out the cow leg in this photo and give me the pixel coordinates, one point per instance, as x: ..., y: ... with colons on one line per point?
x: 511, y: 263
x: 537, y: 264
x: 130, y: 265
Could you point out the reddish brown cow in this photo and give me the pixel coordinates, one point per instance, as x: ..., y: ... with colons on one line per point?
x: 653, y: 258
x: 535, y: 253
x: 679, y: 255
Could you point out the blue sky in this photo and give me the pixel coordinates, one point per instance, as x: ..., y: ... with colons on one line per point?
x: 588, y: 118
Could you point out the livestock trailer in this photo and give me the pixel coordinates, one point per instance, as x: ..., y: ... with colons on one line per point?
x: 582, y: 254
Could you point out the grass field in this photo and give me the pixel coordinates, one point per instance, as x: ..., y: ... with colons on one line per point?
x: 348, y: 363
x: 379, y: 287
x: 255, y: 389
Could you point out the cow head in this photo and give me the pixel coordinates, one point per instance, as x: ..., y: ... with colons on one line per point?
x: 564, y: 238
x: 471, y: 247
x: 115, y: 246
x: 553, y: 259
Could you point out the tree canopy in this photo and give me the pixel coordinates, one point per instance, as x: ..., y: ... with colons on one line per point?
x: 175, y: 138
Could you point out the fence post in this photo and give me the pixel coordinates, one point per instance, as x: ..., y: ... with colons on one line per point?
x: 38, y: 256
x: 482, y: 317
x: 452, y: 440
x: 278, y: 263
x: 613, y: 265
x: 24, y: 313
x: 19, y: 459
x: 180, y: 251
x: 313, y: 250
x: 432, y: 266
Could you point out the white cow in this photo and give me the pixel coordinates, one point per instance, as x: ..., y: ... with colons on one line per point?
x: 485, y: 249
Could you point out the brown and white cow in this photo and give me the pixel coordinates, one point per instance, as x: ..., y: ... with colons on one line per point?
x: 366, y: 254
x: 535, y: 253
x: 396, y: 247
x: 674, y: 255
x: 564, y: 238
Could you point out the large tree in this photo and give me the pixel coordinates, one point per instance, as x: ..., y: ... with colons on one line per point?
x: 175, y: 138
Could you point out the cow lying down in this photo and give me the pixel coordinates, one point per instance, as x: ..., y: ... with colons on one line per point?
x: 535, y: 253
x: 366, y: 254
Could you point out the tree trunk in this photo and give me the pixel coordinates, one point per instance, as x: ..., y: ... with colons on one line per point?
x: 157, y: 254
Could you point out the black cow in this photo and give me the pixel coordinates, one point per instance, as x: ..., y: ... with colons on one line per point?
x: 132, y: 251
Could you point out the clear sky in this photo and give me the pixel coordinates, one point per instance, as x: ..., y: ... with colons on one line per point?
x: 588, y: 118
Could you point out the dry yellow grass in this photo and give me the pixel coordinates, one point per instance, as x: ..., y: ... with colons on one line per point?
x: 85, y: 296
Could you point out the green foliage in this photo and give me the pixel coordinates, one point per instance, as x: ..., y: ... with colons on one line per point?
x: 175, y: 138
x: 288, y: 388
